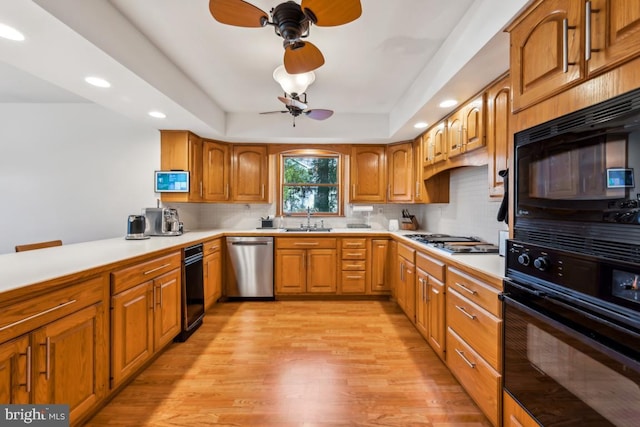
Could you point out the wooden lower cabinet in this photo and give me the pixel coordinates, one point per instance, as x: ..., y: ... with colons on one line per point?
x: 514, y: 415
x: 354, y: 263
x: 146, y: 316
x: 212, y: 272
x: 380, y: 282
x: 64, y: 360
x: 306, y: 266
x: 474, y: 339
x: 430, y: 301
x: 405, y: 281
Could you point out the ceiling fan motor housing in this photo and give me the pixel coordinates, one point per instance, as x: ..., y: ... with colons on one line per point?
x: 290, y: 21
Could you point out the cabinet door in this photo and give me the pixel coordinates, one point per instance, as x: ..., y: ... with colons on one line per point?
x: 422, y: 284
x: 212, y: 278
x: 436, y: 322
x: 498, y: 136
x: 250, y: 173
x: 455, y: 130
x: 16, y: 371
x: 216, y: 171
x: 473, y: 132
x: 368, y: 174
x: 291, y: 271
x: 379, y: 266
x: 547, y: 54
x: 410, y: 294
x: 614, y: 35
x: 321, y: 271
x: 439, y: 141
x: 182, y: 150
x: 167, y: 296
x: 400, y: 173
x: 131, y: 330
x: 195, y: 167
x: 400, y: 282
x: 70, y: 361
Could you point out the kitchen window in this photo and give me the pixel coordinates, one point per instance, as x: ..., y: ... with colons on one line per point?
x: 310, y: 181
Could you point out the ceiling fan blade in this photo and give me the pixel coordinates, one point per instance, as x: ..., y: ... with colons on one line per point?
x: 329, y: 13
x: 319, y: 114
x: 289, y: 102
x: 273, y: 112
x: 302, y: 59
x: 238, y: 13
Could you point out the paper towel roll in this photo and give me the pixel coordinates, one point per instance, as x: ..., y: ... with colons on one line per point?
x: 363, y: 208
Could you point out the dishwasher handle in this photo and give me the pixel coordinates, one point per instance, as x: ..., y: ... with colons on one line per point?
x: 250, y: 243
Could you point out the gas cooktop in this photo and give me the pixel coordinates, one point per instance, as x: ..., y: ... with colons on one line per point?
x: 454, y: 244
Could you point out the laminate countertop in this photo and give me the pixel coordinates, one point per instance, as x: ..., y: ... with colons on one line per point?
x: 18, y: 270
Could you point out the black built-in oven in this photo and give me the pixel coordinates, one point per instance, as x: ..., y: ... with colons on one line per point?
x: 572, y: 293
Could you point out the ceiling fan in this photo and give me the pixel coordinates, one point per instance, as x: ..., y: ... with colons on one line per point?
x: 292, y: 22
x: 296, y: 106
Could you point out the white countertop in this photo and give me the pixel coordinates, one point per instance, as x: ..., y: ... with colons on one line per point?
x: 26, y: 268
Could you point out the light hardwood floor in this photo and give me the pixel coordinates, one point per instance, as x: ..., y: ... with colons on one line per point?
x: 296, y: 363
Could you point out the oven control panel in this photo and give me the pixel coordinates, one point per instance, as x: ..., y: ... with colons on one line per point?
x: 568, y: 269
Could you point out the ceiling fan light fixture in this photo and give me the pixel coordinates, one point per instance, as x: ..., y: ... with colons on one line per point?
x: 293, y: 83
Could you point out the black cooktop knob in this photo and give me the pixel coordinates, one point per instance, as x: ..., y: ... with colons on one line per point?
x: 524, y: 259
x: 541, y: 263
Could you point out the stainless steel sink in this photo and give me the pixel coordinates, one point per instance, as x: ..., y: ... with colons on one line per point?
x: 307, y: 229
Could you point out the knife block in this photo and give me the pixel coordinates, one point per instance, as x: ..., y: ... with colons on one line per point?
x: 410, y: 223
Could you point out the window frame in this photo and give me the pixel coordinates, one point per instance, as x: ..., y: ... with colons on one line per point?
x: 311, y: 153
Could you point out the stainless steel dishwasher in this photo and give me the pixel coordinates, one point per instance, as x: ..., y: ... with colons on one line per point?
x: 251, y: 261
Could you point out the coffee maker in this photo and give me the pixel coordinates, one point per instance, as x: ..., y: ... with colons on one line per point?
x: 162, y: 222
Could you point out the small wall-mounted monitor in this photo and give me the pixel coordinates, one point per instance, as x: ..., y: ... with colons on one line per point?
x: 171, y: 182
x: 620, y: 178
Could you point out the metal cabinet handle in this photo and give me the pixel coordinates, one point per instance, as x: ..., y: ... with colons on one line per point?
x: 467, y: 361
x: 157, y: 268
x: 354, y: 277
x: 27, y: 383
x: 469, y: 315
x: 464, y: 288
x: 47, y: 372
x: 565, y: 45
x: 26, y: 319
x: 587, y: 31
x: 306, y: 243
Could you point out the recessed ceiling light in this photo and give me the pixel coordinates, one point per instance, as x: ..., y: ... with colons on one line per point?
x: 421, y: 125
x: 10, y: 33
x: 97, y: 81
x: 157, y: 114
x: 448, y: 103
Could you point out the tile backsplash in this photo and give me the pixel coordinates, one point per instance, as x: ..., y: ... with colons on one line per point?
x: 469, y: 213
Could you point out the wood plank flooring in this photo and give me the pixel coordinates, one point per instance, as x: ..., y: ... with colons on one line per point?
x: 296, y: 364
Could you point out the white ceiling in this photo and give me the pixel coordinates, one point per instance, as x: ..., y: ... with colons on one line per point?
x: 383, y: 72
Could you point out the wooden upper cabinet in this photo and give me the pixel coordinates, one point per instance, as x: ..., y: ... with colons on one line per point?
x: 498, y: 113
x: 612, y: 33
x: 250, y: 174
x: 465, y: 128
x: 400, y: 172
x: 368, y: 173
x: 435, y: 144
x: 455, y: 129
x: 182, y: 150
x: 216, y: 173
x: 547, y: 52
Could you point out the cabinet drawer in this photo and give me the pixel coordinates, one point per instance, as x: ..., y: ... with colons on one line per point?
x: 130, y: 276
x: 354, y: 265
x: 477, y: 377
x: 479, y: 328
x: 406, y: 252
x: 353, y: 281
x: 211, y: 246
x: 431, y: 266
x: 354, y: 254
x: 476, y: 291
x: 354, y: 244
x: 305, y: 243
x: 27, y: 315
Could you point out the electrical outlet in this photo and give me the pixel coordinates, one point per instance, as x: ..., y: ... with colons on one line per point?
x: 380, y: 211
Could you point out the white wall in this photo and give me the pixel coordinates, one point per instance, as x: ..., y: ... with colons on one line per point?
x: 470, y: 212
x: 72, y: 172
